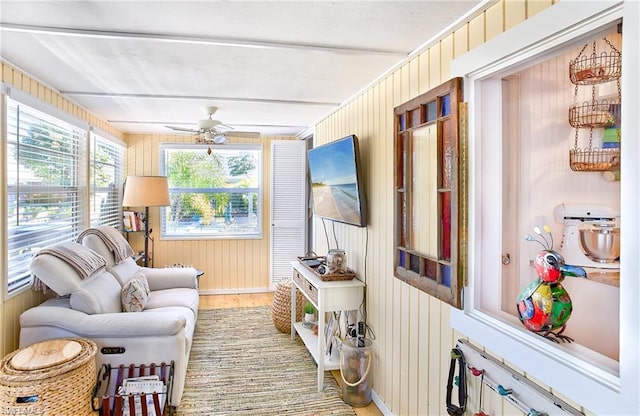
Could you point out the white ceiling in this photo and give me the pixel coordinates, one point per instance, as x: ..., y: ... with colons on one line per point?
x: 276, y: 67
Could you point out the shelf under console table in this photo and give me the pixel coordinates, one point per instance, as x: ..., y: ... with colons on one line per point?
x: 326, y: 296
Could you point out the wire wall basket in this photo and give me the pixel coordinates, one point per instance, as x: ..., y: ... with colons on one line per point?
x: 591, y: 114
x: 596, y: 68
x: 594, y: 160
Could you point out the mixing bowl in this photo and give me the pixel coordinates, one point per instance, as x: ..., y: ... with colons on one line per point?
x: 601, y: 243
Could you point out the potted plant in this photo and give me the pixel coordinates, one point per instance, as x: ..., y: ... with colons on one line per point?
x: 309, y: 312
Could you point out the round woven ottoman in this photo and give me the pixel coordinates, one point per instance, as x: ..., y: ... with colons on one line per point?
x: 54, y: 377
x: 281, y: 308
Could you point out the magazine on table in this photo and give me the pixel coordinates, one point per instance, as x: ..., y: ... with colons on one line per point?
x: 147, y: 385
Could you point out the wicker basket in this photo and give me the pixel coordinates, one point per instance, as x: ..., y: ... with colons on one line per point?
x: 593, y: 114
x: 281, y: 308
x: 62, y: 388
x: 594, y: 160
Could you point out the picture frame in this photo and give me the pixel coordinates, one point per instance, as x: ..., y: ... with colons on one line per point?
x: 430, y: 187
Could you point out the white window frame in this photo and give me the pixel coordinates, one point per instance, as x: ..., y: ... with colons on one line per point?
x: 81, y: 185
x: 84, y: 159
x: 118, y: 147
x: 583, y: 382
x: 221, y: 236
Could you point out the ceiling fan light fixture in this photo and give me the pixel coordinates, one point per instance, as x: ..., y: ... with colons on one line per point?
x: 214, y: 131
x: 219, y: 138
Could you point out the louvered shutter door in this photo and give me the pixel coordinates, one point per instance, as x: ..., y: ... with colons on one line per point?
x: 288, y: 206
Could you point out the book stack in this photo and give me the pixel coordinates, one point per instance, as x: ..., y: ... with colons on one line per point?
x: 133, y: 221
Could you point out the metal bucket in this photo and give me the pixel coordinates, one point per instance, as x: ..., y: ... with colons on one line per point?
x: 355, y: 369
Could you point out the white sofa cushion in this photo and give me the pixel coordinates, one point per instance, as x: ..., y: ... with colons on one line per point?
x: 124, y: 270
x: 96, y: 244
x: 100, y: 293
x: 171, y: 277
x: 187, y: 298
x: 58, y: 274
x: 57, y: 315
x: 106, y: 241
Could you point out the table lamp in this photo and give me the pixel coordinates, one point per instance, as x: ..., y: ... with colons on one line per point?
x: 146, y: 191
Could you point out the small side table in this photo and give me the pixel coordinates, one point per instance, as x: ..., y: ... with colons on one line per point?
x: 326, y: 296
x: 138, y: 258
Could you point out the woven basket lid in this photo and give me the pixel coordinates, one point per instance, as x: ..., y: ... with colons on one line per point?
x: 46, y: 354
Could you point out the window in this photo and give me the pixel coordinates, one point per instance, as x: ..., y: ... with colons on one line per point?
x: 428, y: 194
x: 505, y: 77
x: 213, y: 194
x: 106, y: 170
x: 45, y: 185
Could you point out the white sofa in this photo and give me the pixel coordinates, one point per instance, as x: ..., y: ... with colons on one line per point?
x: 92, y: 308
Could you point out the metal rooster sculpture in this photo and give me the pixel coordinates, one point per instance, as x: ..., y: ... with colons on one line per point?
x: 544, y: 306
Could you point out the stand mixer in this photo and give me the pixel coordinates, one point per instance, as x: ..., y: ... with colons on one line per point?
x: 579, y: 216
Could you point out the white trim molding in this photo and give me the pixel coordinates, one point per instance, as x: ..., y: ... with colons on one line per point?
x: 605, y: 390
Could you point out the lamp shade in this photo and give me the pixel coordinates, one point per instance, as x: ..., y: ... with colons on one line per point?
x: 146, y: 191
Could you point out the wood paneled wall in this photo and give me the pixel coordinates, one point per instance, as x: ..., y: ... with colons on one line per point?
x: 413, y: 334
x: 230, y: 265
x: 10, y: 309
x: 15, y: 78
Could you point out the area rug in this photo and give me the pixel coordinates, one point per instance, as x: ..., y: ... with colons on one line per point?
x: 242, y: 365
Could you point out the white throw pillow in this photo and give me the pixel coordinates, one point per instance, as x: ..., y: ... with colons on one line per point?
x: 134, y: 294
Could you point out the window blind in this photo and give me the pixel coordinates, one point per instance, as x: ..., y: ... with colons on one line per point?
x: 46, y: 184
x: 106, y: 169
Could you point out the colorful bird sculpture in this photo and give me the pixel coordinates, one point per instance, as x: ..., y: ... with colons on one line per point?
x: 544, y: 306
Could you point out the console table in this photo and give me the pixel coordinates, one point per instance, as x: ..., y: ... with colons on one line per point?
x: 341, y: 295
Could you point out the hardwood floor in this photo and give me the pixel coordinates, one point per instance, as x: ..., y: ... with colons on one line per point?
x: 235, y: 300
x: 266, y: 299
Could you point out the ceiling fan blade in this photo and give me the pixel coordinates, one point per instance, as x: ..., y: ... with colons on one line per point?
x: 213, y: 131
x: 182, y: 129
x: 244, y: 134
x: 226, y: 126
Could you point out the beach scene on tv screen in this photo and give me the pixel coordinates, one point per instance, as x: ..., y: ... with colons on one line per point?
x: 334, y: 182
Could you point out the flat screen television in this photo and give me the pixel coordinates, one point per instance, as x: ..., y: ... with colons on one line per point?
x: 336, y: 182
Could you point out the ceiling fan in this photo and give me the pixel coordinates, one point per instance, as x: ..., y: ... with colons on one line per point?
x: 211, y: 131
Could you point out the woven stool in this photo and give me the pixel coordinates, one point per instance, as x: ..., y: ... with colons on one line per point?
x: 281, y: 308
x: 54, y: 377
